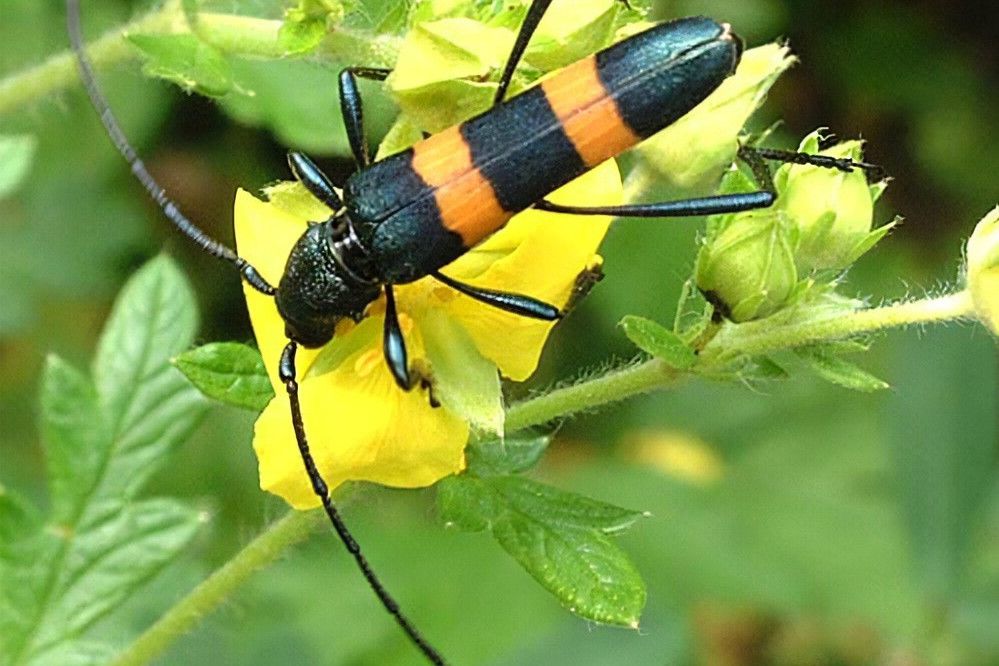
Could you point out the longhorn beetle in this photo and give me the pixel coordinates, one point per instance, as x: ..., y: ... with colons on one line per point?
x: 407, y: 216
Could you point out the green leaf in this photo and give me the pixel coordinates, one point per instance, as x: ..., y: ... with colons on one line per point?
x: 186, y: 61
x: 512, y: 455
x: 466, y: 502
x: 942, y: 419
x: 301, y: 36
x: 834, y: 369
x: 765, y: 368
x: 75, y: 436
x: 276, y: 101
x: 559, y: 508
x: 307, y: 23
x: 439, y: 78
x: 561, y: 539
x: 229, y: 372
x: 103, y: 441
x: 16, y: 155
x: 122, y: 550
x: 658, y: 341
x: 148, y: 406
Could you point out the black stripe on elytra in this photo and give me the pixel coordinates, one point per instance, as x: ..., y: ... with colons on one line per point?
x: 374, y: 193
x: 396, y: 217
x: 659, y: 75
x: 521, y: 147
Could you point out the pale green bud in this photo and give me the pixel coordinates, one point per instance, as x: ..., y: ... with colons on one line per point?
x: 982, y: 273
x: 692, y: 152
x: 747, y: 267
x: 832, y: 210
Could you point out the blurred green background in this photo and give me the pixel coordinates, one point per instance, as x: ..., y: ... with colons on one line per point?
x: 800, y: 524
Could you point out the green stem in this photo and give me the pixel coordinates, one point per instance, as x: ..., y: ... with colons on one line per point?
x: 59, y: 71
x: 761, y: 337
x: 232, y: 34
x: 730, y: 343
x: 590, y: 393
x: 290, y: 530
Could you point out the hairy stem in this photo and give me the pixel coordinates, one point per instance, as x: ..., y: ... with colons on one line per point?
x: 269, y: 546
x: 591, y: 393
x: 231, y: 34
x: 759, y: 337
x: 730, y: 343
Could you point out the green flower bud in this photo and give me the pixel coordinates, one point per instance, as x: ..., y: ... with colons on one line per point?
x: 692, y: 152
x: 833, y: 211
x: 982, y: 273
x: 747, y: 267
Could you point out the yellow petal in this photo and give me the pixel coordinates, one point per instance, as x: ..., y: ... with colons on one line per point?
x: 265, y: 235
x: 361, y: 427
x: 539, y: 254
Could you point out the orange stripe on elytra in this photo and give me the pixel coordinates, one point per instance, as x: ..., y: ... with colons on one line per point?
x: 466, y: 199
x: 589, y: 116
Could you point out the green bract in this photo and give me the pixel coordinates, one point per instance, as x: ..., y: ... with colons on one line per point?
x: 983, y: 269
x: 832, y: 210
x: 443, y: 66
x: 564, y: 37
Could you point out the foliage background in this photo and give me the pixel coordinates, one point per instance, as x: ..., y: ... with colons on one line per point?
x: 822, y: 532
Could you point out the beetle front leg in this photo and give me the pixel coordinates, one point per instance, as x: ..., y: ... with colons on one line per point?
x: 394, y: 344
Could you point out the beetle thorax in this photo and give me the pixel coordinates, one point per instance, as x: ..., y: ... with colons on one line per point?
x: 325, y: 280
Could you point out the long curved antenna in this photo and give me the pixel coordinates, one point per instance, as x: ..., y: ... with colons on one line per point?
x: 170, y: 209
x: 287, y: 373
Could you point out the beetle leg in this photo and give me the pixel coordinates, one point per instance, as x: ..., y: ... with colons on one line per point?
x: 314, y: 180
x: 713, y: 205
x: 394, y: 344
x: 518, y: 304
x: 527, y: 28
x: 353, y: 113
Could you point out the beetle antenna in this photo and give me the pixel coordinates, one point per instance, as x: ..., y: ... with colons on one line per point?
x: 156, y: 192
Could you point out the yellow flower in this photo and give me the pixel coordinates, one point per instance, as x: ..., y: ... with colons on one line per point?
x: 360, y: 425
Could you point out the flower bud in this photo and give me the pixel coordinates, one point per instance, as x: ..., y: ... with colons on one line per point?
x: 983, y: 270
x: 747, y: 268
x: 831, y: 209
x: 692, y: 152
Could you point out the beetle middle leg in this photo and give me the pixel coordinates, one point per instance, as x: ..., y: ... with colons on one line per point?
x: 754, y: 158
x: 518, y: 304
